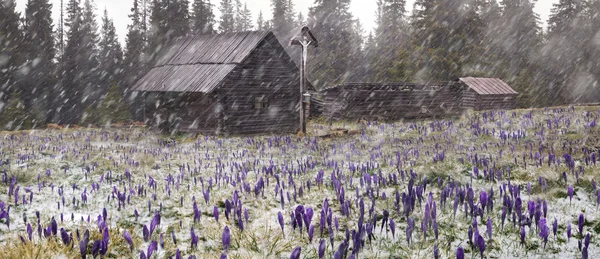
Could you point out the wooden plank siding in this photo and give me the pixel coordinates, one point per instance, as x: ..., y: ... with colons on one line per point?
x: 478, y: 102
x: 391, y: 103
x: 267, y: 73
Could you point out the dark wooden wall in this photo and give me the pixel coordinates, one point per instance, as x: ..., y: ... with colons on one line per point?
x: 390, y: 103
x: 269, y: 73
x: 476, y: 101
x: 183, y: 112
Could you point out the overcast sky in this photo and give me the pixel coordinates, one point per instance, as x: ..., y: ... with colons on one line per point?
x: 363, y: 9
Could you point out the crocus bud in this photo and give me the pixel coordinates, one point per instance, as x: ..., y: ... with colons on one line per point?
x: 296, y: 253
x: 580, y: 223
x: 322, y: 246
x: 226, y: 238
x: 460, y: 253
x: 281, y: 223
x: 570, y: 193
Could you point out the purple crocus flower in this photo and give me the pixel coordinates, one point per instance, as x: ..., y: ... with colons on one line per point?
x: 544, y: 231
x: 489, y: 228
x: 322, y: 246
x: 568, y: 231
x: 151, y: 248
x: 83, y: 244
x: 522, y: 235
x: 586, y: 241
x: 127, y: 237
x: 226, y: 238
x: 311, y: 232
x: 483, y: 199
x: 216, y: 213
x: 104, y: 243
x: 555, y: 227
x: 154, y: 223
x: 570, y: 193
x: 436, y: 252
x: 65, y: 236
x: 580, y: 223
x: 194, y: 241
x: 393, y: 227
x: 29, y: 231
x: 296, y: 253
x: 460, y: 253
x: 96, y: 248
x: 409, y: 229
x: 281, y: 223
x: 146, y: 233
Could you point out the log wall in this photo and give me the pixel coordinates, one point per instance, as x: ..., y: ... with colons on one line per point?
x: 391, y: 103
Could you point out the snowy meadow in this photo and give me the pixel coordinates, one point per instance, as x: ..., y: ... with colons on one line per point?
x: 494, y: 184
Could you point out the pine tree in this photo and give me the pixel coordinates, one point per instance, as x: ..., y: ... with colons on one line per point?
x: 39, y: 49
x: 203, y: 17
x: 227, y: 21
x: 333, y: 25
x: 111, y: 55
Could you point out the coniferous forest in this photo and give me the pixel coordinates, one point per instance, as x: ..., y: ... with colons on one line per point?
x: 75, y: 70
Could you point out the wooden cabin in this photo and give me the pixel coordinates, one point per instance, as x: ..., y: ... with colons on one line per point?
x: 487, y: 93
x: 233, y: 83
x: 390, y: 101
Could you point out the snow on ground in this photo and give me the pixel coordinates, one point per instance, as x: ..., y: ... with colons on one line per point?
x: 57, y: 167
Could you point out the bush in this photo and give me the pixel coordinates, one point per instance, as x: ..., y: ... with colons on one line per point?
x: 14, y: 116
x: 111, y: 109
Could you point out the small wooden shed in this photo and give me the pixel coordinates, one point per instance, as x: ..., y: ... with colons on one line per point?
x: 487, y: 93
x: 233, y: 83
x: 390, y: 101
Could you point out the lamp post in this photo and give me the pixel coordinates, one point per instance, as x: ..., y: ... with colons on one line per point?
x: 305, y: 39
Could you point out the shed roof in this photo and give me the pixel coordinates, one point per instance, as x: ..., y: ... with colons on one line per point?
x: 199, y: 63
x: 487, y: 86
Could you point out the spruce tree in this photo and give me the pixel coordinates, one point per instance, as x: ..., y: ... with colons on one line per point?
x: 566, y: 39
x: 178, y: 21
x: 91, y: 76
x: 203, y: 18
x: 283, y: 18
x: 72, y: 73
x: 390, y: 40
x: 300, y: 21
x: 261, y: 23
x: 227, y: 20
x: 111, y: 55
x: 39, y: 48
x: 10, y: 47
x: 520, y: 34
x: 159, y: 33
x: 333, y: 25
x: 246, y: 19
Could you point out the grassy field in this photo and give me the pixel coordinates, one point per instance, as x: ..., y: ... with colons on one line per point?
x: 430, y: 172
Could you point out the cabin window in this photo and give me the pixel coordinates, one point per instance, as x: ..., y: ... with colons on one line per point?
x: 260, y: 103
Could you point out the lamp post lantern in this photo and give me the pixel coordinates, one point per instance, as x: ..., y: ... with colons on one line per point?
x: 305, y: 39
